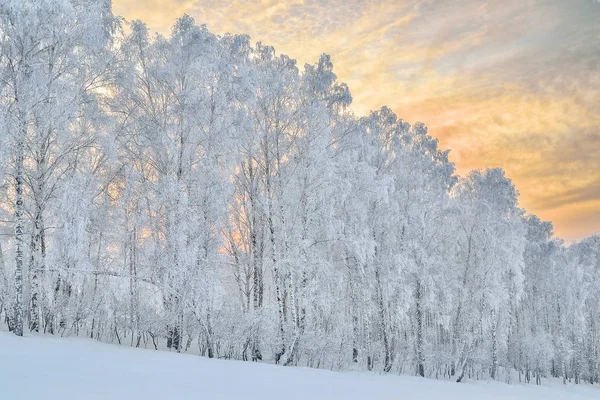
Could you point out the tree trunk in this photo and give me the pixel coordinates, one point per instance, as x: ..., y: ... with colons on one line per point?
x: 420, y: 358
x: 36, y: 266
x: 19, y: 228
x: 494, y: 345
x: 387, y: 362
x: 276, y: 273
x: 256, y: 242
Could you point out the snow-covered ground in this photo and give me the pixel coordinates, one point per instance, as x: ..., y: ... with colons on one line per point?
x: 54, y: 368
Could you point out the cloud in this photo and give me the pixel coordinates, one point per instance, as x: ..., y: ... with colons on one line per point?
x: 514, y: 84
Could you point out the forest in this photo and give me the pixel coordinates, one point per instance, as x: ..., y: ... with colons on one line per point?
x: 205, y: 194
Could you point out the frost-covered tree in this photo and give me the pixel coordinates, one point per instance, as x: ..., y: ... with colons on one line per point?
x: 490, y: 250
x: 200, y: 193
x: 51, y: 70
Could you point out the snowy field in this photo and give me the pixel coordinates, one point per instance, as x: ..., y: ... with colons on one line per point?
x: 54, y: 368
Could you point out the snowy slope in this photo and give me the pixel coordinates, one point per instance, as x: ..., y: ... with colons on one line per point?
x: 54, y: 368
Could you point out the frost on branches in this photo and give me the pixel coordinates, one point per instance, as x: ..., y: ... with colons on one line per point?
x: 208, y: 195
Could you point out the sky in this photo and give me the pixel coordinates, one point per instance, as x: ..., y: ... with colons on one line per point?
x: 507, y: 83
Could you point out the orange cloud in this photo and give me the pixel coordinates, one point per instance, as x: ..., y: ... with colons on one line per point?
x: 514, y: 84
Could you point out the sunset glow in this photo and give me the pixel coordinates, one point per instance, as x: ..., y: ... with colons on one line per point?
x: 511, y: 84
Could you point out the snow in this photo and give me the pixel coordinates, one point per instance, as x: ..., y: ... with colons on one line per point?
x: 41, y: 367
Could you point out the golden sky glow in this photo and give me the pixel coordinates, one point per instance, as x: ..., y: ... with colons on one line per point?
x: 514, y: 84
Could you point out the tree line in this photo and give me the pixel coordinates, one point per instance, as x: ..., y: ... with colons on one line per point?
x: 206, y: 194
